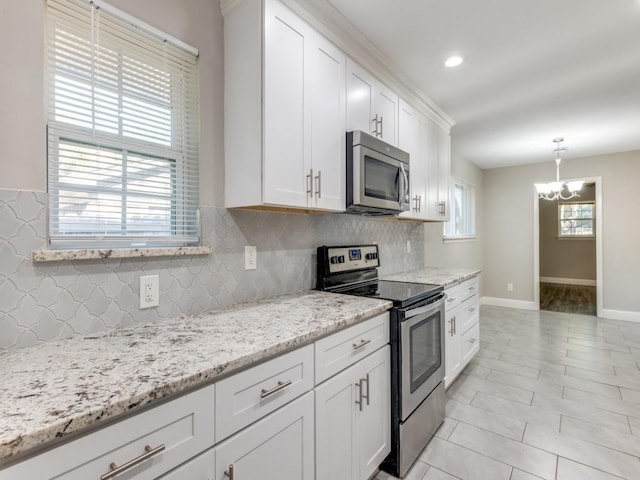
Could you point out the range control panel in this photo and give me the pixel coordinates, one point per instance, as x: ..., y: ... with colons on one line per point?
x: 344, y: 259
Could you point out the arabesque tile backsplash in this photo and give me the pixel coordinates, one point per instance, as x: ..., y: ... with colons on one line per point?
x: 41, y: 302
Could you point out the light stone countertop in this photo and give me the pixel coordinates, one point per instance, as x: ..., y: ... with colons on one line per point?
x: 57, y: 389
x: 444, y: 276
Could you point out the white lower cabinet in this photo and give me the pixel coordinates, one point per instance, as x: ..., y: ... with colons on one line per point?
x: 280, y: 446
x: 462, y: 332
x: 200, y: 468
x: 352, y: 420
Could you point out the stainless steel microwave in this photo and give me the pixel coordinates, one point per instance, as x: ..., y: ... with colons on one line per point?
x: 377, y: 176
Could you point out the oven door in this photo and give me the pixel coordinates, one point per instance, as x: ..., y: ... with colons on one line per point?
x: 379, y: 181
x: 421, y: 352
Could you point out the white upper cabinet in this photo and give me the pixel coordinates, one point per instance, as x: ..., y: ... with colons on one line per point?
x: 371, y: 106
x: 285, y: 118
x: 428, y: 147
x: 438, y: 158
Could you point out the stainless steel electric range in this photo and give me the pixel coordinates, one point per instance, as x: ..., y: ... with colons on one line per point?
x: 417, y: 345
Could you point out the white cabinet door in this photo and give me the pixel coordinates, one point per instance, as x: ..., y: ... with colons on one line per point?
x: 286, y: 112
x: 412, y: 132
x: 451, y: 346
x: 336, y: 436
x: 438, y: 172
x: 371, y: 106
x: 200, y: 468
x: 281, y: 446
x: 386, y: 107
x: 353, y: 424
x: 374, y: 424
x: 328, y: 124
x: 360, y: 95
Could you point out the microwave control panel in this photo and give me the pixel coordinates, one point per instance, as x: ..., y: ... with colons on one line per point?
x: 344, y: 259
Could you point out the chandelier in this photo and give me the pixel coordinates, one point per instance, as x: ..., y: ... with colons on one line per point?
x: 559, y: 190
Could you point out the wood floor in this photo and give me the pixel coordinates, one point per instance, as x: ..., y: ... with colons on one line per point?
x: 568, y: 298
x: 549, y: 396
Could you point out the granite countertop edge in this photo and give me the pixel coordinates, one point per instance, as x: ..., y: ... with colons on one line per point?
x: 35, y: 436
x: 444, y: 276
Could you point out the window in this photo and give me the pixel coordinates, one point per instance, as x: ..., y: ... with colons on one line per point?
x: 123, y: 130
x: 462, y: 223
x: 576, y: 219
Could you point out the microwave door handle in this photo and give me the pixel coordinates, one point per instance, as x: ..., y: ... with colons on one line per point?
x: 405, y: 190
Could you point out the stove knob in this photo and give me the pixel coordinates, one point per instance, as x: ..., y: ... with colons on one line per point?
x: 341, y: 259
x: 334, y: 259
x: 371, y: 256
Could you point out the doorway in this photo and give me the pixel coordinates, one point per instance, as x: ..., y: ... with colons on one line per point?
x: 567, y: 252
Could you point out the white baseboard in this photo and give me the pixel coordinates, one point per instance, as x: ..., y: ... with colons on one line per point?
x: 620, y: 315
x: 569, y: 281
x: 508, y: 302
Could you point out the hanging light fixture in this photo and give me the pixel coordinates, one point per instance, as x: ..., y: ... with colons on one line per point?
x: 559, y: 190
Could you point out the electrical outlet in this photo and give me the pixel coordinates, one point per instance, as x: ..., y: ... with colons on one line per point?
x: 250, y: 257
x: 408, y: 246
x: 149, y: 291
x: 509, y: 287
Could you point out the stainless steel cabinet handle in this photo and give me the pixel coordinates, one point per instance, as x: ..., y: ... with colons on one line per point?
x: 319, y: 184
x: 454, y: 325
x: 451, y: 332
x: 366, y: 379
x: 472, y: 287
x: 117, y: 470
x: 375, y: 126
x: 472, y: 309
x: 310, y: 183
x: 451, y: 299
x: 381, y: 126
x: 359, y: 401
x: 361, y: 344
x: 473, y: 340
x: 419, y: 203
x: 281, y: 385
x: 229, y: 473
x: 442, y: 208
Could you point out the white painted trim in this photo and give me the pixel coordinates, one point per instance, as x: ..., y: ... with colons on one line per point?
x: 599, y: 260
x: 619, y: 315
x: 509, y: 303
x: 569, y: 281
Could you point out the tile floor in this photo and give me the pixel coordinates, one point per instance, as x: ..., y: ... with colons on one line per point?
x: 549, y: 396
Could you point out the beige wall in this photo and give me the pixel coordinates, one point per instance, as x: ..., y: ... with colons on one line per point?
x: 462, y: 253
x: 22, y: 114
x: 508, y: 226
x: 565, y: 257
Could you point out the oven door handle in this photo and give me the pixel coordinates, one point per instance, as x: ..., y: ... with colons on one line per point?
x: 431, y: 306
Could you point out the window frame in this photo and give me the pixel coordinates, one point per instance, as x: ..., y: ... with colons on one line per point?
x: 468, y: 216
x: 562, y: 236
x: 181, y: 152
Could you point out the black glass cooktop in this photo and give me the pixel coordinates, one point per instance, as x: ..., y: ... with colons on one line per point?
x: 400, y: 293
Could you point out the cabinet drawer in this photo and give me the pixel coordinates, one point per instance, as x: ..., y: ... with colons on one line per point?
x: 454, y: 297
x: 469, y: 288
x: 340, y: 350
x: 247, y: 396
x: 469, y: 312
x: 185, y: 427
x: 470, y: 344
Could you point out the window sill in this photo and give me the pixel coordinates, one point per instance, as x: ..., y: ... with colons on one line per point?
x: 470, y: 238
x: 102, y: 254
x: 581, y: 237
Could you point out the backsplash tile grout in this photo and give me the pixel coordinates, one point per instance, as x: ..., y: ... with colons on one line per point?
x: 41, y: 302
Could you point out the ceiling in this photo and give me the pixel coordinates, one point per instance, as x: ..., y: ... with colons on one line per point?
x: 533, y: 71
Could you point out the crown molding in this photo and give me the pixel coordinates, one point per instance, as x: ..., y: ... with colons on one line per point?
x: 228, y: 5
x: 325, y: 18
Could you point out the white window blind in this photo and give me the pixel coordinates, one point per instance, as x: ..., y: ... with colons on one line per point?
x: 123, y: 131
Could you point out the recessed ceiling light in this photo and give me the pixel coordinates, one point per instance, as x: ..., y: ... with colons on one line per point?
x: 453, y: 61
